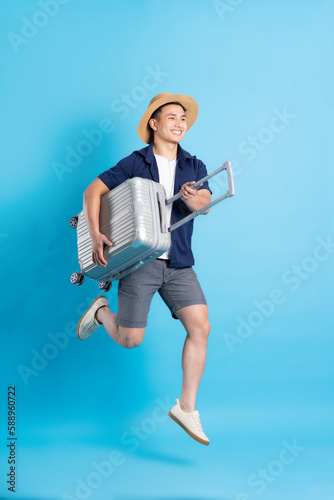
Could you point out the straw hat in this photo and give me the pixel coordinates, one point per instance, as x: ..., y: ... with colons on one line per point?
x: 189, y: 104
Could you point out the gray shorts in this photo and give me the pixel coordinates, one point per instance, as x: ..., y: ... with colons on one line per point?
x: 178, y: 287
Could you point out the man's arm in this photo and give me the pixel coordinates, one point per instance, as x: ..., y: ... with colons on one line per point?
x: 91, y: 207
x: 194, y: 199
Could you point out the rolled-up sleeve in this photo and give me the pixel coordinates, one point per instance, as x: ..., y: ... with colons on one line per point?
x: 202, y: 172
x: 114, y: 176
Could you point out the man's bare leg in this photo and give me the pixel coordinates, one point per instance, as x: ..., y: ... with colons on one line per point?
x: 124, y: 336
x: 195, y: 320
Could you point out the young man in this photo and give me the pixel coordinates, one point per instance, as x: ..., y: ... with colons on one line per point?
x: 162, y: 126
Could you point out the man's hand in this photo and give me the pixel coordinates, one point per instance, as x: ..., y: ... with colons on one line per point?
x: 188, y: 192
x: 194, y: 199
x: 99, y: 241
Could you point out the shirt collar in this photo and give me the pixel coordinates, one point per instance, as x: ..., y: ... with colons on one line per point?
x: 148, y: 154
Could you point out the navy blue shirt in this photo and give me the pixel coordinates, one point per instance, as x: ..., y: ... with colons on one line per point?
x: 142, y: 163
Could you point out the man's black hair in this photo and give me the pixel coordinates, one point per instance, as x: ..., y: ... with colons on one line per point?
x: 158, y: 111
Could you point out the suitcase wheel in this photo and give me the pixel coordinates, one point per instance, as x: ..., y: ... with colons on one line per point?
x: 105, y: 286
x: 77, y: 279
x: 74, y: 221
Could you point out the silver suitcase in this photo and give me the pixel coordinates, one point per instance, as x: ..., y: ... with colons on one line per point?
x: 132, y: 216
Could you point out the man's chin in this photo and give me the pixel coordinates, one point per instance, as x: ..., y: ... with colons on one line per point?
x: 176, y: 139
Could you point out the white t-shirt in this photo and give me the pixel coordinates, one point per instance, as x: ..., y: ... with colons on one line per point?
x: 166, y: 178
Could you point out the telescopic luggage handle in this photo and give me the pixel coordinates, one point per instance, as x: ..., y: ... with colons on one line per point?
x: 230, y: 192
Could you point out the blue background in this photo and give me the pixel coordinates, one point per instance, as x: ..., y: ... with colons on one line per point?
x: 267, y: 383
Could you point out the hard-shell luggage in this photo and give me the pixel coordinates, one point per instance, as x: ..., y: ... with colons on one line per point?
x: 132, y: 217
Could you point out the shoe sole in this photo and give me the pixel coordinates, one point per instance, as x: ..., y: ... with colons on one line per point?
x: 82, y: 317
x: 191, y: 434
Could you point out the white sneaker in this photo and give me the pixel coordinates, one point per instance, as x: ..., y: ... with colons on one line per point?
x: 87, y: 323
x: 190, y: 422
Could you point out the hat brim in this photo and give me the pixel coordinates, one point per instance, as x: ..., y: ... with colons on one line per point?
x: 189, y: 104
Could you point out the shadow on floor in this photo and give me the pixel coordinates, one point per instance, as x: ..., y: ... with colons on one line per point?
x: 167, y: 498
x: 165, y: 458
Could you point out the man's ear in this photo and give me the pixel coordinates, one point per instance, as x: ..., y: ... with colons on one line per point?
x: 153, y: 124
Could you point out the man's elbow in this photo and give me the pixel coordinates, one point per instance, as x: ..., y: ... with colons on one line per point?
x: 207, y: 202
x: 95, y: 189
x: 86, y: 194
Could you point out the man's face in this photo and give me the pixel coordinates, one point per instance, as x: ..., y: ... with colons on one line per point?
x: 171, y: 124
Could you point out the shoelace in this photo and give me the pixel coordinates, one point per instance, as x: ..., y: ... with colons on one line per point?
x: 196, y: 420
x: 194, y: 417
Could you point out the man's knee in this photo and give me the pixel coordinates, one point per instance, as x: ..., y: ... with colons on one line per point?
x: 195, y: 319
x: 206, y: 327
x: 132, y: 337
x: 130, y: 343
x: 201, y: 330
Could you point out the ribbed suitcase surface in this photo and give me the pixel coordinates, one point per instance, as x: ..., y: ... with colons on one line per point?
x: 131, y: 217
